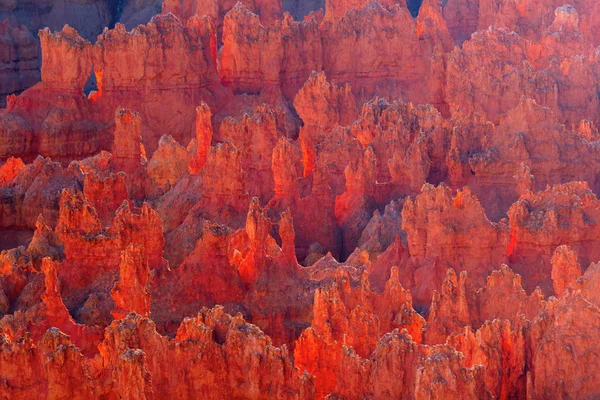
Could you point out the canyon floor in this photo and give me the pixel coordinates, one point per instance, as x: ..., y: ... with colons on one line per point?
x: 353, y: 199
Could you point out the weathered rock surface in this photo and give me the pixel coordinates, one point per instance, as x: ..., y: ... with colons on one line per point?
x: 379, y: 199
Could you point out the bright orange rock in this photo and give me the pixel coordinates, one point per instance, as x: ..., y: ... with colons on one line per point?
x: 499, y: 346
x: 503, y: 297
x: 35, y: 190
x: 130, y: 293
x: 422, y: 368
x: 346, y: 317
x: 10, y: 169
x: 465, y: 71
x: 256, y: 136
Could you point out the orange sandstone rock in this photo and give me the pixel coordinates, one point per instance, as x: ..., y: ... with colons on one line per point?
x: 204, y: 133
x: 436, y: 222
x: 130, y: 293
x: 535, y: 235
x: 71, y: 49
x: 10, y: 169
x: 257, y: 56
x: 408, y: 212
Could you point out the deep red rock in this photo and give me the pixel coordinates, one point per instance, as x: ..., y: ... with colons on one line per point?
x: 365, y: 202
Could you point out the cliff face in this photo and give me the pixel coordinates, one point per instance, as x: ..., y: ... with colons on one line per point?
x: 256, y: 57
x: 299, y: 200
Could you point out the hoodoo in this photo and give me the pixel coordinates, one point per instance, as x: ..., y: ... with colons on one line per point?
x: 299, y: 199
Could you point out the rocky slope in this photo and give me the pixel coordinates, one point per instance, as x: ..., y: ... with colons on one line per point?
x: 300, y: 200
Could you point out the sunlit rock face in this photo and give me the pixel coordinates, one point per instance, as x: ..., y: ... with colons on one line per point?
x: 273, y: 199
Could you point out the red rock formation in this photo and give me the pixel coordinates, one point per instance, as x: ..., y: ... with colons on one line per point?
x: 357, y: 56
x: 179, y: 73
x: 425, y: 372
x: 407, y: 212
x: 141, y: 226
x: 565, y: 269
x: 105, y: 193
x: 542, y: 221
x: 164, y: 32
x: 528, y: 146
x: 568, y: 327
x: 354, y: 318
x: 10, y: 169
x: 85, y: 244
x: 433, y: 30
x: 66, y: 47
x: 503, y: 297
x: 395, y: 132
x: 258, y: 226
x: 51, y: 312
x: 441, y: 233
x: 352, y: 207
x: 140, y: 362
x: 493, y: 86
x: 382, y: 230
x: 449, y: 309
x: 204, y: 133
x: 54, y: 116
x: 311, y: 225
x: 44, y: 243
x: 459, y: 304
x: 227, y: 197
x: 321, y: 106
x: 338, y: 9
x: 256, y: 136
x: 185, y: 9
x: 130, y: 293
x: 167, y: 165
x: 256, y: 56
x: 500, y: 348
x: 128, y: 151
x: 33, y: 191
x: 462, y: 17
x: 589, y: 284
